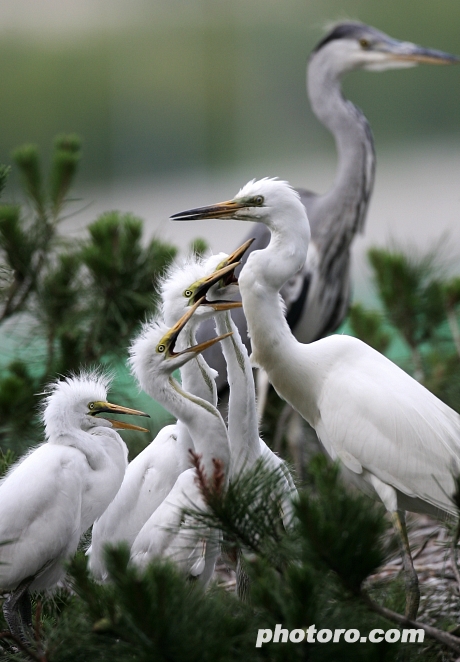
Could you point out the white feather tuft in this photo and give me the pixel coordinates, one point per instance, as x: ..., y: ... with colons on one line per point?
x: 65, y: 396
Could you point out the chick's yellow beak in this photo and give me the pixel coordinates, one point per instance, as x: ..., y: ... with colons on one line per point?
x: 101, y: 407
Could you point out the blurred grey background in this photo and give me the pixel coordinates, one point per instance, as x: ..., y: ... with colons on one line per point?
x: 180, y: 102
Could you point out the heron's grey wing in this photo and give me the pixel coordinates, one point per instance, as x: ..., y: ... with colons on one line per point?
x: 308, y: 198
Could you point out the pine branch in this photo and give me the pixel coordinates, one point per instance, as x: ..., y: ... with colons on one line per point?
x: 442, y: 637
x: 248, y: 512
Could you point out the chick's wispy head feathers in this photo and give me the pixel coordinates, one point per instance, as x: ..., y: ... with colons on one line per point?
x: 66, y: 402
x: 143, y: 356
x: 172, y: 287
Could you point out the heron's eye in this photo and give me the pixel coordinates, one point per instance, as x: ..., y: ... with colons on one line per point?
x: 364, y: 43
x: 91, y: 405
x: 161, y: 348
x: 188, y: 294
x: 259, y: 200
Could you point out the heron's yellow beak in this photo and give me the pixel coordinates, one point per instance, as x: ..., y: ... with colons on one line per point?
x: 220, y: 210
x: 407, y: 52
x: 168, y: 341
x: 107, y: 407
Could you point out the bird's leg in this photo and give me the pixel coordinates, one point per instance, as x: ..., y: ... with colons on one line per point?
x: 411, y: 579
x: 17, y: 609
x: 243, y: 583
x: 25, y: 609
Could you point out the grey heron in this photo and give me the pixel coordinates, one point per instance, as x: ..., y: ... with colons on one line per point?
x: 318, y: 294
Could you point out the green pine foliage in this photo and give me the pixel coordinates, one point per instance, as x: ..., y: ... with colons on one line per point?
x: 419, y: 306
x: 325, y: 557
x: 122, y: 278
x: 81, y: 300
x: 199, y: 247
x: 368, y: 326
x: 4, y: 174
x: 410, y: 292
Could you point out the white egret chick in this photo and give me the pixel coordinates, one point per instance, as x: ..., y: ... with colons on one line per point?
x: 392, y: 436
x: 52, y: 495
x: 152, y: 474
x: 153, y: 360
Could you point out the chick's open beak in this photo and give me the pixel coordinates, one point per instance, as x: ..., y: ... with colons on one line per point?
x: 170, y: 337
x: 201, y: 287
x: 108, y: 407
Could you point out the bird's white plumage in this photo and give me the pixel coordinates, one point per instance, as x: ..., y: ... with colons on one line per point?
x: 159, y: 537
x: 146, y: 483
x: 52, y: 495
x: 169, y: 534
x: 153, y: 473
x: 386, y: 428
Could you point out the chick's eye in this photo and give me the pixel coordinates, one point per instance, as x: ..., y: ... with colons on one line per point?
x: 259, y: 200
x: 364, y: 43
x: 188, y: 293
x: 161, y: 348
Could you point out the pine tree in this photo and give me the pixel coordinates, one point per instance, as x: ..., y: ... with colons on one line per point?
x: 81, y: 300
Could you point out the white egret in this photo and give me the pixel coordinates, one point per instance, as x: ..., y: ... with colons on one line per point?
x: 153, y: 473
x: 52, y: 495
x: 392, y: 436
x: 153, y: 360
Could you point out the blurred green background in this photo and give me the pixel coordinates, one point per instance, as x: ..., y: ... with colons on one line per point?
x: 165, y: 86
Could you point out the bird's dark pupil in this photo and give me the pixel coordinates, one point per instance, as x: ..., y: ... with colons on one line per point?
x: 364, y: 43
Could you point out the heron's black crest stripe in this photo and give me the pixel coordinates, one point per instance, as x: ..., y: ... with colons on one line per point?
x: 342, y: 31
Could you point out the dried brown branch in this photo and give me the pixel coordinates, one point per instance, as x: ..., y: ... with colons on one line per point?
x: 209, y: 487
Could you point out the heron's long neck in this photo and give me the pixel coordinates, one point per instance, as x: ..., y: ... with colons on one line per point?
x: 204, y: 423
x: 274, y: 348
x: 243, y: 431
x: 345, y: 205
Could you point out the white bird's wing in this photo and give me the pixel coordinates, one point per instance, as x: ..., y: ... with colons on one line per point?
x: 40, y: 511
x: 166, y: 534
x: 289, y: 489
x: 147, y: 482
x: 376, y: 418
